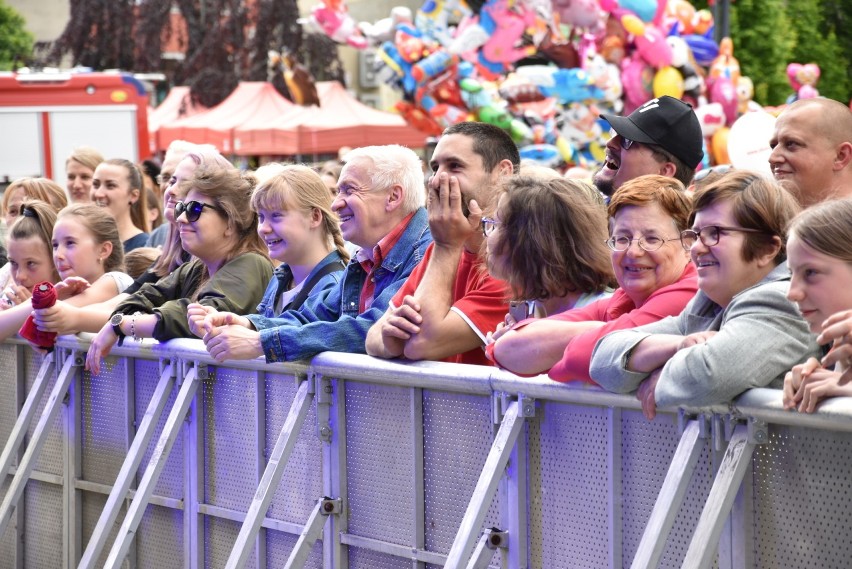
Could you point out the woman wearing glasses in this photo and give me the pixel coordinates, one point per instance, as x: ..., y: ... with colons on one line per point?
x: 229, y: 271
x: 654, y: 276
x: 740, y: 331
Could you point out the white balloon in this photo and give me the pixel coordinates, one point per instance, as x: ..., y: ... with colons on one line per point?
x: 748, y: 141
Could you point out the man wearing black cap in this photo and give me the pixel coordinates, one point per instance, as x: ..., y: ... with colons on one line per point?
x: 662, y: 137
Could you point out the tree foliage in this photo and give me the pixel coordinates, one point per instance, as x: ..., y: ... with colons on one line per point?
x: 16, y: 43
x: 225, y: 41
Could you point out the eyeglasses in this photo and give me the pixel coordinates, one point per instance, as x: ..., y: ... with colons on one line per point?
x: 626, y: 143
x: 709, y: 235
x: 646, y: 242
x: 192, y: 209
x: 489, y: 225
x: 720, y: 169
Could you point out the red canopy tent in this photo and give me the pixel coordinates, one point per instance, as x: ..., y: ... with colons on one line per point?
x: 339, y: 121
x: 251, y: 100
x: 177, y: 105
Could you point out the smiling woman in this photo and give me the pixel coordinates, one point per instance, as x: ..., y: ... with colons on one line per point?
x: 739, y: 331
x: 229, y: 273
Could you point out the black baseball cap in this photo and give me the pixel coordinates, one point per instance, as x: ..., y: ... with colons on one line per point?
x: 666, y: 122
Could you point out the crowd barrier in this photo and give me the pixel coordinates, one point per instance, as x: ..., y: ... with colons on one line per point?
x: 169, y: 460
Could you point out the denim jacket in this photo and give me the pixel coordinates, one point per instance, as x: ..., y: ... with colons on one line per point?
x: 283, y: 276
x: 330, y: 321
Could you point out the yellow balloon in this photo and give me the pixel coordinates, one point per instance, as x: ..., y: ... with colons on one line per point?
x: 633, y: 25
x: 719, y: 145
x: 668, y: 81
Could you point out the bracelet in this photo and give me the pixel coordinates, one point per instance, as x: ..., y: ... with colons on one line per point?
x: 133, y: 327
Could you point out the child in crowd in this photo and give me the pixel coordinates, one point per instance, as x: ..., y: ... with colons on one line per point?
x: 820, y: 258
x: 117, y: 186
x: 296, y: 223
x: 88, y: 257
x: 29, y: 252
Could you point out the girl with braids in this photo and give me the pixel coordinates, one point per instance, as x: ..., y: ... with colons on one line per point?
x: 296, y: 223
x: 229, y: 270
x: 117, y: 186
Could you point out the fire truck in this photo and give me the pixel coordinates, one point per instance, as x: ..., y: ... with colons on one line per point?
x: 45, y: 116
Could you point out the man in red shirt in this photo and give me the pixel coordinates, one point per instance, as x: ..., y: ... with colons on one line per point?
x: 450, y: 302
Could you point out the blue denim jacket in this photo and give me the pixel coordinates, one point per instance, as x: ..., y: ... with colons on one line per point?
x: 330, y: 321
x: 283, y: 276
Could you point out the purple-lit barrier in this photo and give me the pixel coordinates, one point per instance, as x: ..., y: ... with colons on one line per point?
x: 169, y: 460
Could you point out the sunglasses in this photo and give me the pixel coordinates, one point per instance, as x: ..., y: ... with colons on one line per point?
x: 192, y: 209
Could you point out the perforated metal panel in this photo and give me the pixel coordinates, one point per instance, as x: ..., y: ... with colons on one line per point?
x: 104, y: 428
x: 279, y: 546
x: 219, y: 538
x: 379, y: 462
x: 457, y: 434
x: 92, y: 505
x: 43, y: 526
x: 170, y: 483
x: 159, y: 543
x: 51, y: 457
x: 230, y: 409
x: 7, y: 543
x: 8, y: 388
x: 569, y: 490
x: 367, y: 559
x: 803, y: 499
x: 301, y: 484
x: 647, y: 450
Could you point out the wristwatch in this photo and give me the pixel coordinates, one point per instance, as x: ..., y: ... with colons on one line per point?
x: 115, y: 322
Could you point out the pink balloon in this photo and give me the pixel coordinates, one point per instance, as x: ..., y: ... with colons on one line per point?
x: 637, y: 79
x: 724, y: 93
x: 654, y: 48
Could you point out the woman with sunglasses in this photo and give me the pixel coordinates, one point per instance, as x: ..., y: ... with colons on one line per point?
x: 740, y: 331
x: 229, y: 271
x: 655, y: 280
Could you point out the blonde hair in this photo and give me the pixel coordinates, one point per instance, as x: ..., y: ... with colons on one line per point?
x: 86, y: 156
x: 41, y: 189
x: 299, y: 187
x: 103, y: 227
x: 138, y: 260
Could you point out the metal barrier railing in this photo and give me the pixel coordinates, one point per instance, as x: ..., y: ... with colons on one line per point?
x: 407, y: 461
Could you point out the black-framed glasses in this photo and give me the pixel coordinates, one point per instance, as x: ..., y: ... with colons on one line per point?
x: 488, y: 225
x: 709, y: 235
x: 192, y: 209
x: 646, y: 242
x: 720, y: 169
x: 626, y: 143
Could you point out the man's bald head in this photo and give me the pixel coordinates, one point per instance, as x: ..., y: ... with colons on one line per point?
x: 812, y: 150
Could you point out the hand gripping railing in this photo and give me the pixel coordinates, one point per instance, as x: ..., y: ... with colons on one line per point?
x: 52, y: 407
x: 155, y: 467
x: 272, y: 476
x: 129, y: 467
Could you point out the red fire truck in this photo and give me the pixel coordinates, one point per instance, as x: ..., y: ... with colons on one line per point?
x: 44, y: 116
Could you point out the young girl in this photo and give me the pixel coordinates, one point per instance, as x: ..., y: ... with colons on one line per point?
x: 29, y: 252
x: 88, y: 257
x: 296, y: 223
x: 819, y: 254
x: 117, y: 186
x: 229, y: 272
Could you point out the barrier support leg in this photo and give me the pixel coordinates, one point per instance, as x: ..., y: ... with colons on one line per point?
x: 129, y: 467
x: 491, y: 540
x: 19, y: 431
x: 312, y: 532
x: 670, y: 498
x: 45, y: 422
x: 510, y: 427
x: 155, y: 467
x: 737, y: 458
x: 271, y: 477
